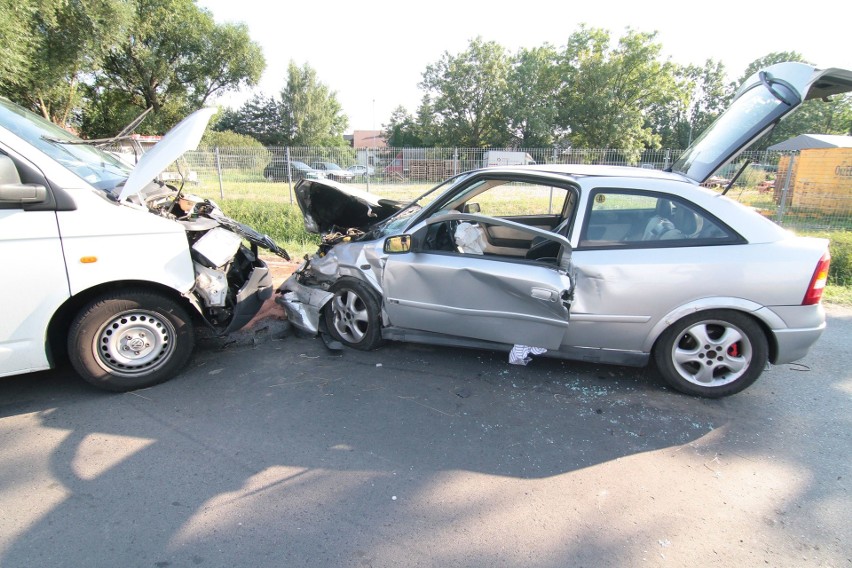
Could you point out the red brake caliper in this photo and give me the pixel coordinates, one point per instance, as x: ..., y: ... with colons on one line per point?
x: 734, y: 350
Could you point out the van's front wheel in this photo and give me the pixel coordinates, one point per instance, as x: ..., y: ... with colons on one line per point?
x: 129, y: 340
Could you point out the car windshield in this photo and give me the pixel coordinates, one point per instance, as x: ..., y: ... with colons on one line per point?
x: 332, y: 166
x: 97, y: 167
x: 400, y: 220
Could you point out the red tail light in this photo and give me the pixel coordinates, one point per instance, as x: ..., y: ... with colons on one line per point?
x: 817, y: 285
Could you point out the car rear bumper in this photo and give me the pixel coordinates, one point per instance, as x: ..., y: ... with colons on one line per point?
x: 794, y: 329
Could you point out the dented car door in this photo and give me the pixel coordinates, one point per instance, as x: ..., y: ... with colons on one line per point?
x: 503, y: 299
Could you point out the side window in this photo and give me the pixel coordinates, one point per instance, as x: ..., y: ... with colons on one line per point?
x: 619, y: 218
x: 522, y: 199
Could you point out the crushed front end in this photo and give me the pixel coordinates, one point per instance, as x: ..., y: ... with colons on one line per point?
x: 231, y: 280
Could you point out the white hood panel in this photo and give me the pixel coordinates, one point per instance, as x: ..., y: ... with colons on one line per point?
x: 182, y: 138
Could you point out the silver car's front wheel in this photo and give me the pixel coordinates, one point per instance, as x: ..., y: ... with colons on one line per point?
x: 712, y: 354
x: 352, y: 315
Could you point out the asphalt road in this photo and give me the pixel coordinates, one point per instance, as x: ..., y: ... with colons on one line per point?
x: 287, y: 454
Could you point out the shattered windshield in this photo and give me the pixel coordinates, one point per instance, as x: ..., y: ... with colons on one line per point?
x: 100, y: 169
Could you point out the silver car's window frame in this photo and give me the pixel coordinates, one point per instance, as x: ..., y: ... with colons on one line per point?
x: 732, y: 238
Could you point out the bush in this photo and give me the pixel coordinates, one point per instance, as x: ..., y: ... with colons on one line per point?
x: 840, y: 246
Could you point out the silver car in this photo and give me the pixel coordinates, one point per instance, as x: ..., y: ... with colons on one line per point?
x: 592, y: 263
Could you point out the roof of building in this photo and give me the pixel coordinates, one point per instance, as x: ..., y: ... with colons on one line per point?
x: 808, y: 141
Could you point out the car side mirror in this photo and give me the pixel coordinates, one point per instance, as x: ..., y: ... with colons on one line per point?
x: 471, y: 208
x: 398, y: 244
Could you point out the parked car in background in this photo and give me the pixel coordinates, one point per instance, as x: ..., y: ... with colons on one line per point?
x: 362, y: 171
x: 277, y: 169
x: 604, y: 264
x: 109, y: 267
x: 333, y: 171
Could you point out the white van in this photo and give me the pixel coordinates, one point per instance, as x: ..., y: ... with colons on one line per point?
x: 104, y: 264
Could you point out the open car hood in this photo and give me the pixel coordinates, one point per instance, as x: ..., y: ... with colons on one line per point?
x: 761, y: 102
x: 329, y: 206
x: 180, y: 139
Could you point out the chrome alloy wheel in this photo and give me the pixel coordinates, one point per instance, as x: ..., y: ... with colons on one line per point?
x: 712, y: 353
x: 350, y: 317
x: 134, y: 342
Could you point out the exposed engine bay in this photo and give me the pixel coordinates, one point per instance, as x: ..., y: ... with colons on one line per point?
x: 231, y: 280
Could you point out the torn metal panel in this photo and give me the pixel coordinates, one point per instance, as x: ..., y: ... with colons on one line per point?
x: 303, y: 304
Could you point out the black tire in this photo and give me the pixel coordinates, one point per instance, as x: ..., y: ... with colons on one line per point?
x: 353, y: 315
x: 712, y: 354
x: 129, y: 340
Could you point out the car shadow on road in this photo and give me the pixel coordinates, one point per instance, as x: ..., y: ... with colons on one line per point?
x: 303, y: 452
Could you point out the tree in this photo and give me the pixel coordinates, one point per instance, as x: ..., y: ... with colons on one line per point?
x: 531, y: 108
x: 51, y: 45
x: 174, y: 59
x: 607, y: 92
x: 311, y: 115
x: 402, y: 130
x: 467, y: 94
x: 702, y: 94
x: 259, y: 117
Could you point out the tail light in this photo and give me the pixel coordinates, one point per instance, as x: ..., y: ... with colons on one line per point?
x: 817, y: 285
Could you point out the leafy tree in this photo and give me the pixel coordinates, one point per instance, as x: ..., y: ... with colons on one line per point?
x: 311, y: 115
x: 607, y: 91
x: 702, y: 94
x: 52, y: 45
x: 402, y: 130
x: 466, y: 95
x: 531, y: 108
x: 174, y: 59
x: 259, y: 117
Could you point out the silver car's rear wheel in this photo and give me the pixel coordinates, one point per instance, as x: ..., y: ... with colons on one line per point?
x: 352, y: 315
x: 713, y: 354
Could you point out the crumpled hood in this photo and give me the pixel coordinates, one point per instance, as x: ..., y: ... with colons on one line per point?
x: 328, y: 206
x: 179, y: 140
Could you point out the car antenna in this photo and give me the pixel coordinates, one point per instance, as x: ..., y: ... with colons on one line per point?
x: 734, y: 179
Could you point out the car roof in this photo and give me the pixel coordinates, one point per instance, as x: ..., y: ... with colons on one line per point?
x: 585, y: 170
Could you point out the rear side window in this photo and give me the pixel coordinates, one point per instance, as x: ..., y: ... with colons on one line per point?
x: 618, y: 218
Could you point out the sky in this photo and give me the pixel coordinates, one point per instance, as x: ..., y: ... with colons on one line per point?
x: 373, y: 53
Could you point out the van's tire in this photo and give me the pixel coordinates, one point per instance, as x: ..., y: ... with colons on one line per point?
x: 129, y: 340
x: 353, y: 315
x: 714, y: 353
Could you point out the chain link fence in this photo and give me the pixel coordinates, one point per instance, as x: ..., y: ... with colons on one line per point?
x: 807, y: 189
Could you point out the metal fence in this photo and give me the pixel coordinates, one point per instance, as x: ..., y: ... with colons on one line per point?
x: 810, y: 189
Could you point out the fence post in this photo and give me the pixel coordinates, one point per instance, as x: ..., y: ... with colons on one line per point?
x: 779, y: 218
x: 289, y: 176
x: 219, y: 173
x: 367, y: 167
x: 455, y: 161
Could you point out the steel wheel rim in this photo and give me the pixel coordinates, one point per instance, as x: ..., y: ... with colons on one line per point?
x: 134, y: 342
x: 712, y: 353
x: 350, y: 317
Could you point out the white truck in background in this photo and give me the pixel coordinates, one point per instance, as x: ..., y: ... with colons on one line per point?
x: 493, y: 158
